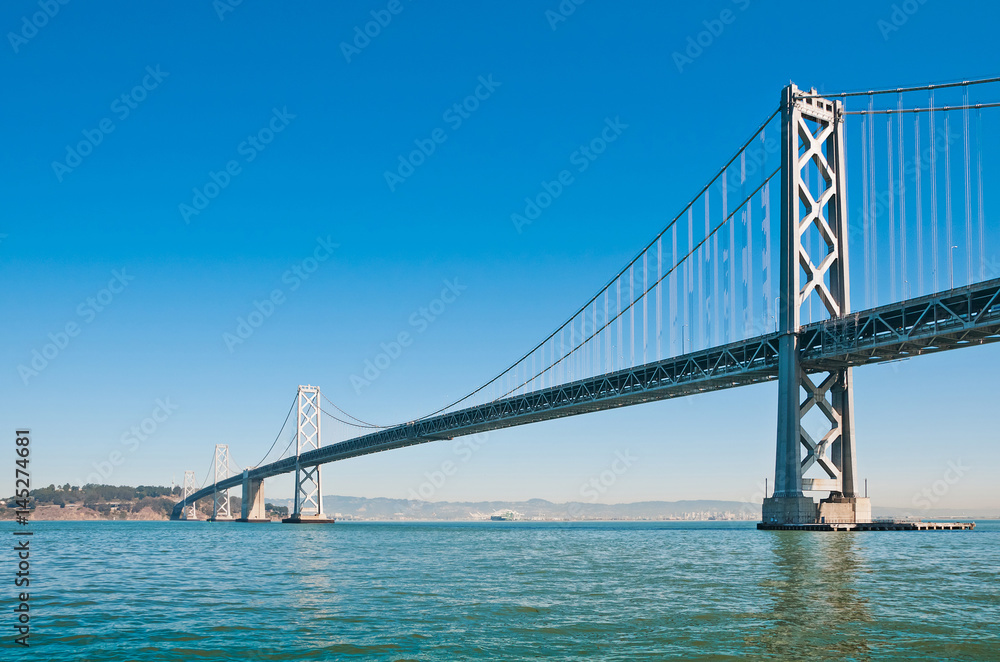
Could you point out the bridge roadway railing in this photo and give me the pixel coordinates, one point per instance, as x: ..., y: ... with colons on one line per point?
x: 948, y: 320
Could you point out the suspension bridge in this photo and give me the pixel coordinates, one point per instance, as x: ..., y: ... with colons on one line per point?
x: 750, y: 282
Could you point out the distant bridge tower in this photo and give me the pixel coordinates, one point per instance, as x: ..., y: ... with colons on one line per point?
x: 308, y: 486
x: 220, y: 511
x: 813, y: 137
x: 190, y: 512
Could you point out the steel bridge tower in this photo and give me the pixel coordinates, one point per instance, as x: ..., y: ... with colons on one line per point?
x: 308, y: 484
x: 190, y: 512
x: 220, y: 510
x: 812, y: 132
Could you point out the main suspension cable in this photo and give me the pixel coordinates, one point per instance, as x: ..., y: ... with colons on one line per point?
x: 356, y: 425
x: 610, y: 282
x: 278, y: 436
x: 896, y: 90
x: 365, y: 423
x: 669, y: 271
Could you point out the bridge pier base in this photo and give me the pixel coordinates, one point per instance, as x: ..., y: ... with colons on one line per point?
x: 789, y: 510
x: 835, y: 509
x: 252, y: 509
x: 838, y: 509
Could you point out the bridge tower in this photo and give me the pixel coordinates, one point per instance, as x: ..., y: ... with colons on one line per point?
x: 220, y: 511
x: 813, y: 137
x: 189, y: 512
x: 308, y: 485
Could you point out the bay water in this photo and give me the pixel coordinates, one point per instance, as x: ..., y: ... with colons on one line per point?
x: 164, y: 591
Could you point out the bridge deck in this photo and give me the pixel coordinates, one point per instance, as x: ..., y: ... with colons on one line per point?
x: 949, y: 320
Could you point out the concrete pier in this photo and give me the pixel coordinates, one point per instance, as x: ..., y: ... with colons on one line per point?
x: 888, y: 525
x: 252, y: 509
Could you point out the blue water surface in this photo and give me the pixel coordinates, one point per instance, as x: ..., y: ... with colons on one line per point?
x: 164, y: 591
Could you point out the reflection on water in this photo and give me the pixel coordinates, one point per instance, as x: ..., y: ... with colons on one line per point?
x: 816, y: 610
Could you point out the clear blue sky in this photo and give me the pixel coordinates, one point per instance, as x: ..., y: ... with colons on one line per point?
x: 339, y: 125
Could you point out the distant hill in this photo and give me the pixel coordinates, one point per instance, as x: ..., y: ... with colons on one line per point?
x: 92, y: 501
x: 111, y: 502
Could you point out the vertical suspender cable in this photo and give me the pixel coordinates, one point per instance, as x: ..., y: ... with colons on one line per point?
x: 714, y: 259
x: 765, y: 239
x: 979, y: 196
x: 550, y: 367
x: 748, y: 275
x: 935, y: 251
x: 968, y: 188
x: 891, y: 189
x: 645, y: 300
x: 949, y: 237
x: 672, y: 300
x: 872, y: 196
x: 631, y: 314
x: 619, y: 350
x: 903, y: 237
x: 688, y: 308
x: 725, y: 257
x: 918, y: 166
x: 579, y: 365
x: 865, y: 220
x: 733, y: 252
x: 702, y: 290
x: 768, y: 271
x: 562, y: 367
x: 607, y: 333
x: 596, y: 349
x: 659, y: 295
